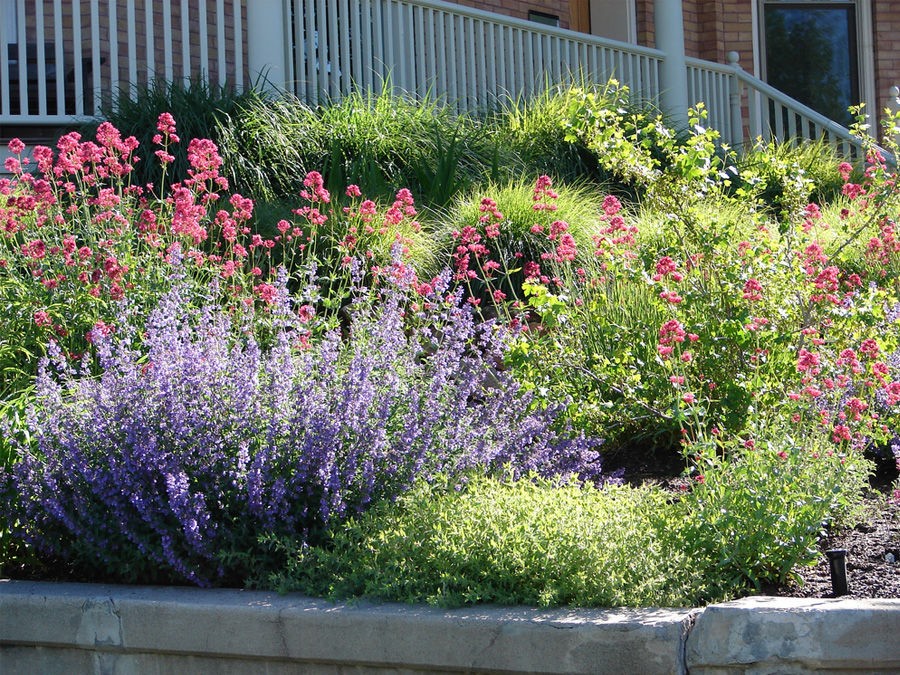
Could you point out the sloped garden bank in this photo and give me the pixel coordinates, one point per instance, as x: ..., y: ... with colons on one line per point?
x: 367, y: 396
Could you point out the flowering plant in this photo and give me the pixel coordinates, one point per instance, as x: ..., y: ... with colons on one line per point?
x: 193, y: 443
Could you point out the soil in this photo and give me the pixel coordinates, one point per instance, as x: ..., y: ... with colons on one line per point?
x: 872, y: 558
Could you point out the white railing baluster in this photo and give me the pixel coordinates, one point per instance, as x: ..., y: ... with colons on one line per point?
x: 343, y: 27
x: 59, y: 59
x: 167, y: 40
x: 40, y: 41
x: 131, y: 27
x: 113, y: 48
x: 186, y: 42
x: 221, y: 67
x: 204, y: 40
x: 238, y: 40
x: 96, y: 61
x: 150, y: 47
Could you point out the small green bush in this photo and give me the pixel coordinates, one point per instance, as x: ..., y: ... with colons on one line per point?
x: 534, y: 543
x: 524, y: 214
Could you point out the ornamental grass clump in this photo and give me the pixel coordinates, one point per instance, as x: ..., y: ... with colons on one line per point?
x: 171, y: 464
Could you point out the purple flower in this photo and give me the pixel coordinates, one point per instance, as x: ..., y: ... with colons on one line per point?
x: 185, y: 451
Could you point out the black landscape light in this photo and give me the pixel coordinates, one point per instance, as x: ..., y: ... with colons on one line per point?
x: 837, y: 564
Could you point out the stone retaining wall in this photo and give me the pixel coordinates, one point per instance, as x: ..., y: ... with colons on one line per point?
x: 82, y: 628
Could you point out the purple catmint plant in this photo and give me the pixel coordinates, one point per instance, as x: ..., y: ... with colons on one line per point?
x: 199, y: 440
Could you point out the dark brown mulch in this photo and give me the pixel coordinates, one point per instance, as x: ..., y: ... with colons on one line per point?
x: 872, y: 557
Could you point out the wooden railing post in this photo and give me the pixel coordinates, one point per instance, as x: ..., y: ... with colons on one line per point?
x: 735, y: 103
x: 267, y: 55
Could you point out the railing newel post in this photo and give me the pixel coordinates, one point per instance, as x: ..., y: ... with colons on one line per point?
x: 734, y: 100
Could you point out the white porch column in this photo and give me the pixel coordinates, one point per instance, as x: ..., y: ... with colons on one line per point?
x: 267, y: 44
x: 669, y: 24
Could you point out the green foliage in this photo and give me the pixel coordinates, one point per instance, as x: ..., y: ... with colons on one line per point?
x: 792, y: 174
x: 749, y: 519
x: 535, y: 132
x: 538, y: 543
x: 757, y: 512
x: 382, y: 142
x: 524, y: 214
x: 198, y: 106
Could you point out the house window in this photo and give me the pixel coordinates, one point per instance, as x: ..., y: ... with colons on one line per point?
x: 546, y: 19
x: 811, y: 51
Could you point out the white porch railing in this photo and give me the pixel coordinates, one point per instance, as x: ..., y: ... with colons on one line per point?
x: 65, y: 58
x: 772, y: 115
x: 470, y: 57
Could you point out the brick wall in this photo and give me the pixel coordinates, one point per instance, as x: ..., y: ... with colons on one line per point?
x: 886, y: 22
x: 520, y: 8
x: 712, y: 28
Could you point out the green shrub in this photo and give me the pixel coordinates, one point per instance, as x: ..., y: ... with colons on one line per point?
x: 382, y: 142
x: 757, y: 512
x: 535, y: 132
x: 537, y: 543
x: 521, y: 223
x: 793, y: 173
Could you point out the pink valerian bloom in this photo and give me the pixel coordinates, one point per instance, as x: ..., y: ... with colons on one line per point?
x: 752, y: 291
x: 205, y: 161
x: 165, y: 124
x: 353, y: 191
x: 531, y: 270
x: 315, y: 191
x: 566, y: 250
x: 809, y: 362
x: 667, y: 268
x: 840, y: 433
x: 543, y: 193
x: 267, y: 293
x: 853, y: 190
x: 813, y: 258
x: 892, y: 391
x: 16, y: 146
x: 36, y: 250
x: 671, y: 297
x: 756, y: 323
x: 855, y: 407
x: 845, y: 169
x: 489, y: 208
x: 689, y: 398
x: 498, y: 295
x: 869, y: 348
x: 611, y: 205
x: 42, y: 318
x: 671, y: 331
x: 557, y: 227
